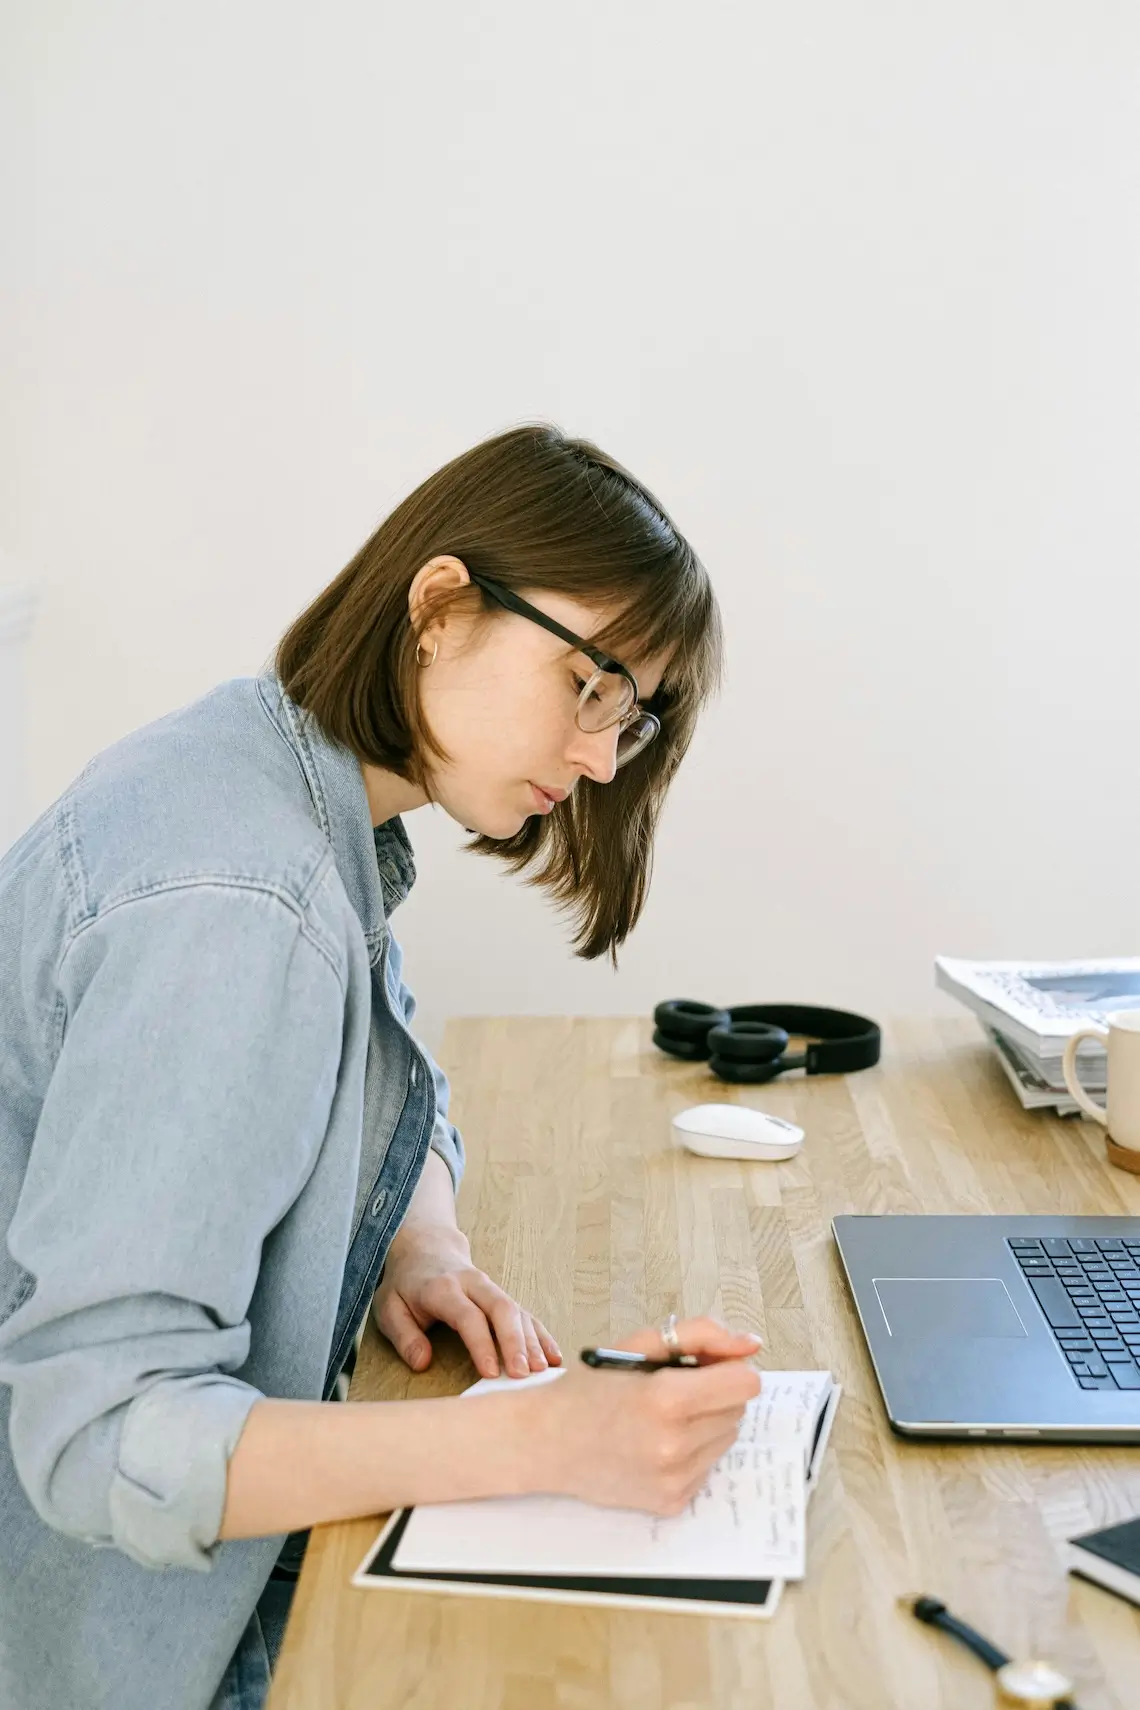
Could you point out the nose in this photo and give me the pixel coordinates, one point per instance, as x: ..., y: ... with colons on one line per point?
x: 594, y: 753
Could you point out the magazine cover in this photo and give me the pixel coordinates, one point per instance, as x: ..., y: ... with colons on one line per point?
x: 1038, y: 1004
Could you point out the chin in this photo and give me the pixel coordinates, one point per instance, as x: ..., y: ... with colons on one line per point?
x: 506, y: 829
x: 499, y: 815
x: 499, y: 828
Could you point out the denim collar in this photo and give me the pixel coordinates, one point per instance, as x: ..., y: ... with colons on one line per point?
x: 375, y: 863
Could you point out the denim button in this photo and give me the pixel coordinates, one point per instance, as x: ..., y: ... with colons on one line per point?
x: 379, y: 1202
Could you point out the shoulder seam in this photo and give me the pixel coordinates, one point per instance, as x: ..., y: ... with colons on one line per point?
x: 295, y: 905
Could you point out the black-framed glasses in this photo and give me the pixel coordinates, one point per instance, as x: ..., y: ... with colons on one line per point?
x: 608, y: 696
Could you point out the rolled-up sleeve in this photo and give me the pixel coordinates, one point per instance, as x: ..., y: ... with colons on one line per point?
x: 446, y: 1138
x: 185, y: 1113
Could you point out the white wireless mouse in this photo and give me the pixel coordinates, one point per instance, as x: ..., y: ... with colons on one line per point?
x: 736, y: 1131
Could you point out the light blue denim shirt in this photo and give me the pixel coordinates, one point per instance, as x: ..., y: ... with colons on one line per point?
x: 212, y: 1118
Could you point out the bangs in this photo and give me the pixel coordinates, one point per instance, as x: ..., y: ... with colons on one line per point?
x: 674, y: 612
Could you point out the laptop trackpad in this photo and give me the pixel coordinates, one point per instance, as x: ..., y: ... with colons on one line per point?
x: 948, y: 1306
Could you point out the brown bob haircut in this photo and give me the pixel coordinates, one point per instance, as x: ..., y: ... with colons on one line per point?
x: 531, y: 509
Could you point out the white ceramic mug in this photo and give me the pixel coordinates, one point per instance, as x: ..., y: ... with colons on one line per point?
x: 1121, y: 1116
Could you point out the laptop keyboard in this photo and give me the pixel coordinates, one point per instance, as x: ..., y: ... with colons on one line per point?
x: 1089, y: 1291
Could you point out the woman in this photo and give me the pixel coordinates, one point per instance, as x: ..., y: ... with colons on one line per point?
x: 220, y: 1141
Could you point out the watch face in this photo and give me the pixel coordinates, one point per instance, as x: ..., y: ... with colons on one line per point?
x: 1037, y: 1685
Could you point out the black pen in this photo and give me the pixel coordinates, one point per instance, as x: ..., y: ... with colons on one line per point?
x: 619, y: 1360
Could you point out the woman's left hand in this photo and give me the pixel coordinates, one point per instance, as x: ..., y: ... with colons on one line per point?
x: 429, y: 1279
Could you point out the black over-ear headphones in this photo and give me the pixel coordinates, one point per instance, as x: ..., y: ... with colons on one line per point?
x: 749, y: 1042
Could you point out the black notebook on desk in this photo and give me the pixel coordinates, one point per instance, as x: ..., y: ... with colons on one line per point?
x: 1109, y: 1557
x: 553, y: 1549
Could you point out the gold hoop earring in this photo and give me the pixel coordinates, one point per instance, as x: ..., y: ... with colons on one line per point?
x: 431, y: 661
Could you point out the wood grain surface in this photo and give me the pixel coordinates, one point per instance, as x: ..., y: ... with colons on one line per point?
x: 576, y: 1200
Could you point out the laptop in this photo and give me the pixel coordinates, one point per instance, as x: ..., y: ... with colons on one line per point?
x: 1001, y: 1326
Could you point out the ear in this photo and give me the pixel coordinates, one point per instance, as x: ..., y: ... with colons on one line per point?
x: 438, y: 576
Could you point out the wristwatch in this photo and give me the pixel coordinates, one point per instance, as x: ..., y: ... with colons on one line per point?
x: 1030, y: 1685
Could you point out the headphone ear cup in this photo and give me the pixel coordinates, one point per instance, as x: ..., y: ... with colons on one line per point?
x: 680, y: 1022
x: 752, y: 1042
x: 682, y: 1018
x: 728, y: 1070
x: 693, y: 1050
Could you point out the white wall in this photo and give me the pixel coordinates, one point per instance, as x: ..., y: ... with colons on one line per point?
x: 17, y: 610
x: 854, y: 287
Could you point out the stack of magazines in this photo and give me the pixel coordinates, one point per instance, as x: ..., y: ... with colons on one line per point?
x: 1029, y: 1009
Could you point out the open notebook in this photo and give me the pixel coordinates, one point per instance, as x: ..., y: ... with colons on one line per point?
x: 729, y: 1553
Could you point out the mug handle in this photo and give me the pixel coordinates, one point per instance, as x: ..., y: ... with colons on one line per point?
x: 1069, y: 1069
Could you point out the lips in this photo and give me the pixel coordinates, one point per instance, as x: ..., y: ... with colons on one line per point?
x: 546, y: 799
x: 555, y: 795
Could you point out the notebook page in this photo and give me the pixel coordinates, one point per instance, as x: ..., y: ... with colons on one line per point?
x: 787, y: 1410
x: 747, y: 1522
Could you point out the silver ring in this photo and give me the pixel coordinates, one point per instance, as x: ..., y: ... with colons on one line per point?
x: 669, y: 1334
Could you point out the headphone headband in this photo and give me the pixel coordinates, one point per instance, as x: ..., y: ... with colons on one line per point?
x: 749, y: 1042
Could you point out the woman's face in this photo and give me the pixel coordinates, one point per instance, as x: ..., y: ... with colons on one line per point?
x: 501, y: 697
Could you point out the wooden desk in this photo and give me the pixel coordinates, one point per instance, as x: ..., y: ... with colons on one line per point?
x: 575, y: 1201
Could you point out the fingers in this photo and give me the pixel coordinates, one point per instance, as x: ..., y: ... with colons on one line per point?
x: 700, y: 1464
x: 471, y: 1323
x: 483, y: 1314
x: 395, y: 1321
x: 685, y: 1451
x: 706, y: 1337
x: 536, y: 1358
x: 711, y: 1439
x: 506, y: 1320
x: 723, y: 1388
x: 542, y: 1350
x: 549, y: 1346
x: 527, y: 1346
x: 479, y: 1311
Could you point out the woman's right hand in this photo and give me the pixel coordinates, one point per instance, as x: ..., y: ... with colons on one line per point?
x: 636, y: 1440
